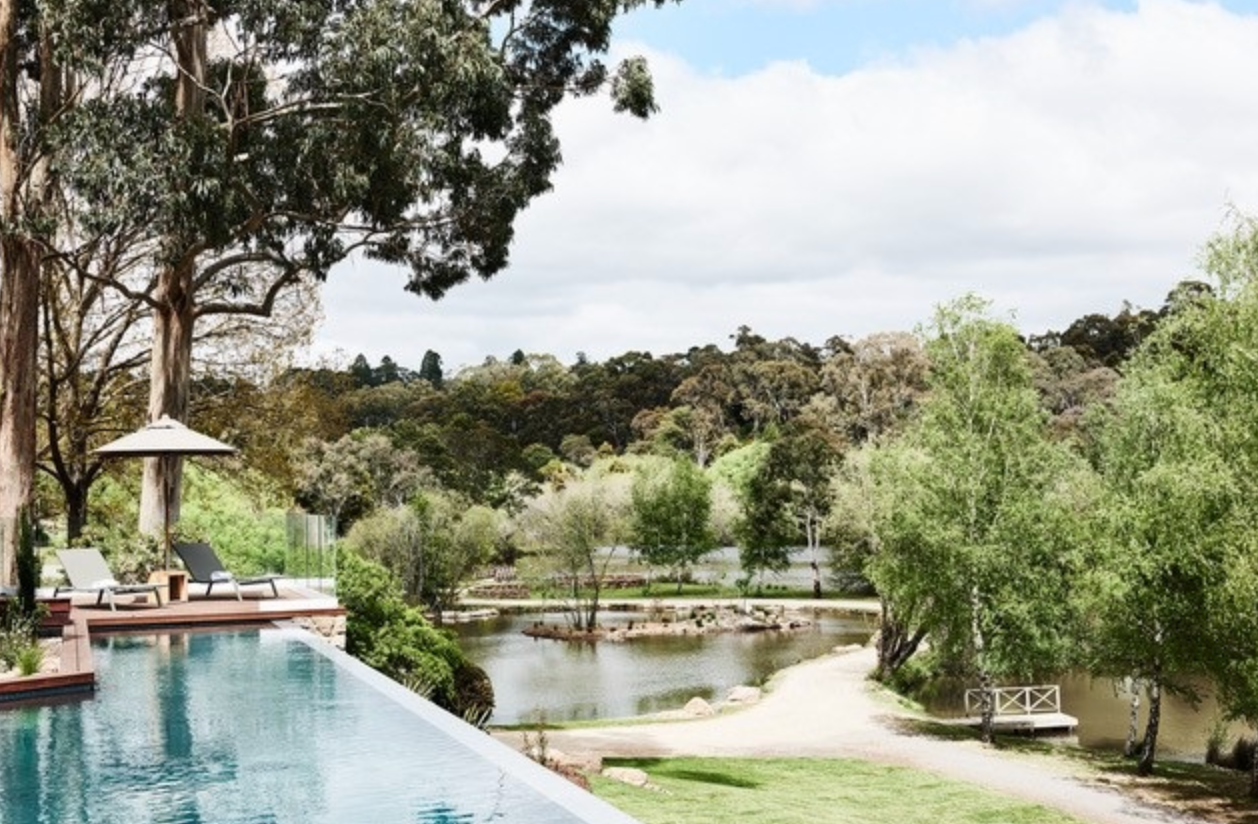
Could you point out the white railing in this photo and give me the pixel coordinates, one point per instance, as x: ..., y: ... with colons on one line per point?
x: 1017, y: 700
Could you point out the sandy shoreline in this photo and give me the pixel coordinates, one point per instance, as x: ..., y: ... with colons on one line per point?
x: 827, y: 708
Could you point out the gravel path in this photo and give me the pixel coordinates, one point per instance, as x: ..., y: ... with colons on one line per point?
x: 825, y: 707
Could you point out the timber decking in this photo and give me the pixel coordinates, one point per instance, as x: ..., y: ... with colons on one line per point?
x: 76, y: 673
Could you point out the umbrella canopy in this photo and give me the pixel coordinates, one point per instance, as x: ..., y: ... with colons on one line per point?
x: 164, y: 436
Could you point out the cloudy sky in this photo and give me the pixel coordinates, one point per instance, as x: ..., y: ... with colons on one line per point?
x: 839, y: 167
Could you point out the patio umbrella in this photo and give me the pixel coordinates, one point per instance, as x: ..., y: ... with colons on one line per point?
x: 166, y: 439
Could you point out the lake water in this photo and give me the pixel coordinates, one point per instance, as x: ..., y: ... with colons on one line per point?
x: 571, y: 681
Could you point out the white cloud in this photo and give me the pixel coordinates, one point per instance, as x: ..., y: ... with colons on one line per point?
x: 1059, y: 171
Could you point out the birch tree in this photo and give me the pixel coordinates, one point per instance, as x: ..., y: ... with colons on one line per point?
x: 973, y: 546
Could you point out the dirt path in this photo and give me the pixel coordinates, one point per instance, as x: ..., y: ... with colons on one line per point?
x: 826, y: 707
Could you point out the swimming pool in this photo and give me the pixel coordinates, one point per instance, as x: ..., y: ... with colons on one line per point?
x: 263, y: 727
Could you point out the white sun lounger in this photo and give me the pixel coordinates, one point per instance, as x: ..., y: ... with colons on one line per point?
x: 88, y: 572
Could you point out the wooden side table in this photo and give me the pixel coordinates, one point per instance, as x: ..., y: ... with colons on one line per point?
x: 174, y: 584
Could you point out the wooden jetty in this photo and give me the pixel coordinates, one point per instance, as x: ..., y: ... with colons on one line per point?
x: 1022, y: 709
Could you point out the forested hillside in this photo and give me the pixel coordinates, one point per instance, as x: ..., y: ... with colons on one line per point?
x: 490, y: 431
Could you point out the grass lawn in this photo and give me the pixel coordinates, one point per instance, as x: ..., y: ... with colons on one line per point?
x: 808, y: 791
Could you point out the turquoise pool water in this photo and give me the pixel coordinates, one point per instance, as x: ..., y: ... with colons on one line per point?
x: 262, y: 727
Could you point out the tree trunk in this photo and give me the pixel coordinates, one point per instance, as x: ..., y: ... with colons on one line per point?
x: 75, y: 494
x: 19, y: 310
x: 895, y: 645
x: 814, y: 546
x: 1133, y: 719
x: 987, y: 692
x: 1253, y: 770
x: 1149, y: 748
x: 19, y: 318
x: 174, y: 313
x: 170, y: 375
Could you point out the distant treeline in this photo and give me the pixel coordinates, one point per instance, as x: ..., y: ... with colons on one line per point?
x: 481, y: 430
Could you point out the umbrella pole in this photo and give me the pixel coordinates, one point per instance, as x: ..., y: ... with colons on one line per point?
x: 167, y: 493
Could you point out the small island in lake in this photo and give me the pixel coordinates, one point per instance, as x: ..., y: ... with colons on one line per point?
x: 688, y: 620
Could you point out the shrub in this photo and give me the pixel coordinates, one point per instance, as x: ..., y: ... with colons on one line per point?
x: 387, y: 634
x: 912, y: 677
x: 18, y: 632
x: 30, y: 659
x: 238, y: 515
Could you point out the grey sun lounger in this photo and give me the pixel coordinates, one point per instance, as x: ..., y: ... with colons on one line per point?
x: 204, y: 567
x: 87, y: 571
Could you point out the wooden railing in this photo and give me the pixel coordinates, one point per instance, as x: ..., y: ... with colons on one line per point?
x: 1017, y: 700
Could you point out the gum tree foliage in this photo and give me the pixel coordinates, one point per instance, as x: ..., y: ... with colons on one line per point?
x: 975, y: 520
x: 355, y: 474
x: 874, y: 385
x: 670, y: 515
x: 260, y: 142
x: 786, y: 501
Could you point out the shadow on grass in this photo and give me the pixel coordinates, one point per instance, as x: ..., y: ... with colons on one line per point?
x: 1203, y: 791
x: 1210, y: 793
x: 670, y: 768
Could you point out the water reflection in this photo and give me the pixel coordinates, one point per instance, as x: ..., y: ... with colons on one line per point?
x: 564, y: 681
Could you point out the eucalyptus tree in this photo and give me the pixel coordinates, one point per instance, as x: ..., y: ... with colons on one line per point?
x: 92, y: 354
x: 875, y: 383
x: 669, y: 521
x: 786, y: 501
x: 27, y: 108
x: 95, y: 343
x: 974, y: 546
x: 264, y: 141
x: 357, y: 473
x: 701, y: 416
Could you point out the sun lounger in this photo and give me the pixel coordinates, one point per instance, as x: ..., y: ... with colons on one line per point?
x: 87, y: 571
x: 204, y: 567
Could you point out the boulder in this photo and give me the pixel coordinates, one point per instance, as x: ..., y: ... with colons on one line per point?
x: 743, y: 695
x: 583, y: 762
x: 628, y: 775
x: 698, y: 708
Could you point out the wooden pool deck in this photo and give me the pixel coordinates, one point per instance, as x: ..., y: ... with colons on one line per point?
x: 76, y: 673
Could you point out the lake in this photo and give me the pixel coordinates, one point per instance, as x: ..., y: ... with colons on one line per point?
x: 574, y: 681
